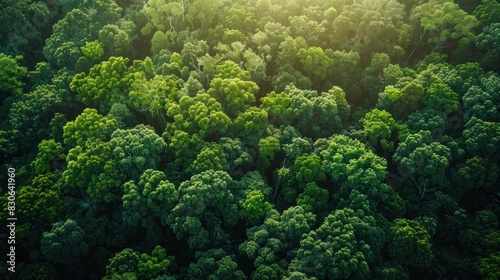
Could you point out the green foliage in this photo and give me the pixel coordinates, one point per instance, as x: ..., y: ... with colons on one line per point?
x: 235, y: 95
x: 378, y: 125
x: 215, y: 264
x: 93, y: 171
x: 308, y: 168
x: 115, y: 42
x: 343, y: 155
x: 315, y: 62
x: 121, y: 113
x: 278, y: 233
x: 277, y: 119
x: 152, y: 197
x: 311, y: 113
x: 136, y: 150
x: 313, y: 199
x: 105, y: 84
x: 89, y: 125
x: 49, y: 151
x: 476, y: 172
x: 78, y: 27
x: 489, y: 267
x: 205, y: 203
x: 64, y: 243
x: 201, y: 115
x: 161, y: 12
x: 238, y: 157
x: 251, y: 124
x: 211, y: 157
x: 427, y: 119
x: 482, y: 138
x: 38, y: 208
x: 267, y: 149
x: 11, y: 75
x: 30, y: 115
x: 130, y: 264
x: 254, y: 208
x: 409, y: 243
x: 441, y: 97
x: 93, y: 51
x: 423, y: 161
x: 338, y: 249
x: 443, y: 22
x: 487, y: 12
x: 482, y: 102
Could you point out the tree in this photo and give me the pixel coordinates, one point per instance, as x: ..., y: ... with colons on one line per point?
x: 338, y: 249
x: 488, y: 267
x: 30, y: 115
x: 205, y: 203
x: 476, y: 173
x: 368, y: 26
x: 215, y: 264
x: 307, y: 169
x: 423, y: 161
x: 150, y: 95
x: 378, y: 125
x: 49, y: 152
x: 11, y: 75
x: 238, y: 157
x: 115, y: 42
x: 77, y: 27
x: 39, y: 206
x: 211, y: 157
x: 131, y: 264
x: 160, y: 12
x: 105, y: 84
x: 409, y: 244
x: 121, y: 113
x: 254, y: 208
x: 316, y: 62
x: 93, y: 51
x: 273, y: 241
x: 251, y: 125
x: 93, y: 171
x: 482, y: 138
x: 428, y: 119
x: 89, y: 125
x: 267, y: 149
x: 342, y: 105
x: 441, y: 97
x: 235, y: 95
x: 136, y: 150
x: 445, y: 23
x: 64, y: 243
x: 482, y: 101
x: 487, y: 12
x: 313, y: 199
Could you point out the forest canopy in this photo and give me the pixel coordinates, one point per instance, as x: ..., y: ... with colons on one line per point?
x: 240, y: 139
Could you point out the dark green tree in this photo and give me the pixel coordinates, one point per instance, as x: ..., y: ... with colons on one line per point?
x: 64, y: 243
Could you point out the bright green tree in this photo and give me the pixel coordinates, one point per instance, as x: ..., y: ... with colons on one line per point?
x: 11, y: 75
x: 409, y: 244
x: 444, y: 22
x: 92, y: 171
x: 89, y: 125
x: 136, y: 150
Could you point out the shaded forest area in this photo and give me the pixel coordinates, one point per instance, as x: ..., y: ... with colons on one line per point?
x: 240, y: 139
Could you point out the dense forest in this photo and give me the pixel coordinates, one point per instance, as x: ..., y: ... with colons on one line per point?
x: 250, y: 139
